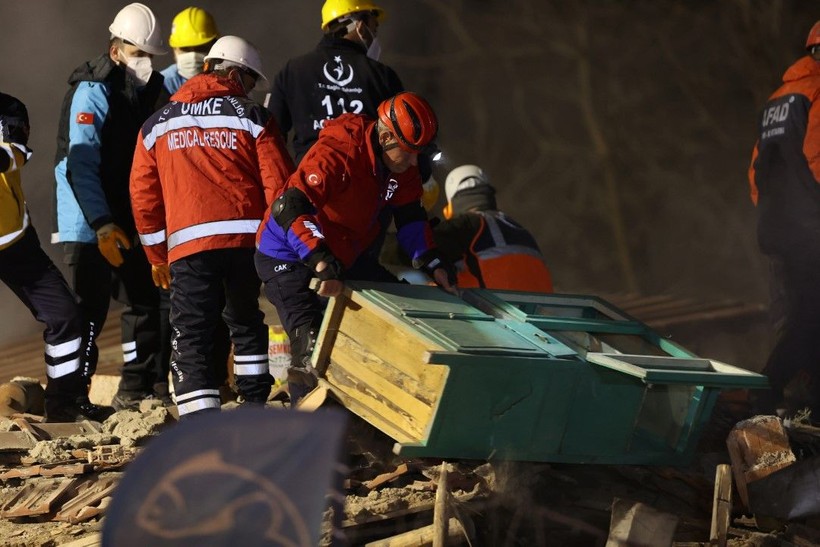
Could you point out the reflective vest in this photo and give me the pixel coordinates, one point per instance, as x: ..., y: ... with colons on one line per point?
x: 503, y: 255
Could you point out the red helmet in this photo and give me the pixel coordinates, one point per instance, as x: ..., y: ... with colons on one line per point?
x: 411, y: 119
x: 814, y: 36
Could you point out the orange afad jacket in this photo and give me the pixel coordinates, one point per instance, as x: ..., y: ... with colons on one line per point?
x: 206, y: 169
x: 789, y: 125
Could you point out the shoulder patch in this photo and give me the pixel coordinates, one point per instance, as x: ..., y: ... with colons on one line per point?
x: 314, y: 179
x: 85, y: 118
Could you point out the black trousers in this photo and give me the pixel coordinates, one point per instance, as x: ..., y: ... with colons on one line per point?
x: 287, y: 287
x: 37, y: 282
x: 201, y: 284
x: 797, y: 350
x: 95, y: 282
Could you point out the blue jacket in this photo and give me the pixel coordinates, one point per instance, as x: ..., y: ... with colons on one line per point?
x: 100, y: 119
x: 173, y: 79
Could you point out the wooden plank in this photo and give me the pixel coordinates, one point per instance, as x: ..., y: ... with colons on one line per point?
x: 721, y: 506
x: 348, y: 383
x: 440, y: 516
x: 365, y: 411
x: 386, y: 477
x: 422, y: 536
x: 397, y: 389
x: 388, y: 338
x: 330, y: 327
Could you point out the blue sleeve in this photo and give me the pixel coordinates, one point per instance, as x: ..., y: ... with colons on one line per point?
x: 415, y: 238
x: 172, y: 79
x: 89, y: 108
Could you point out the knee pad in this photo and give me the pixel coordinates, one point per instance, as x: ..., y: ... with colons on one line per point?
x: 302, y: 344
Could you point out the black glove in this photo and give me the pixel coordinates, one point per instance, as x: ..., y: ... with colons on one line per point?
x: 334, y: 267
x: 432, y: 260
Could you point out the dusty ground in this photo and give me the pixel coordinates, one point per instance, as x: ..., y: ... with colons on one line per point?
x: 500, y: 504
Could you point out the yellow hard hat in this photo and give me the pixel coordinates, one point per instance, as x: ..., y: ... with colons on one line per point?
x: 429, y: 197
x: 192, y: 27
x: 333, y: 9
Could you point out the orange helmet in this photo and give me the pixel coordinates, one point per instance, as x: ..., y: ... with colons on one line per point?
x: 814, y: 36
x: 411, y: 119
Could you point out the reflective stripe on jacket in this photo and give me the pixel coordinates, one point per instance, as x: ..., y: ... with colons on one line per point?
x: 500, y: 254
x: 205, y: 171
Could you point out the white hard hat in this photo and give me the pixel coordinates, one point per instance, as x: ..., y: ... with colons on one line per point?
x: 237, y: 51
x: 462, y: 178
x: 135, y: 23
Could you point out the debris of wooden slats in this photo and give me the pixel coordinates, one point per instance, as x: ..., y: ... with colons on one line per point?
x: 421, y: 536
x: 16, y: 441
x: 462, y: 497
x: 108, y: 454
x: 36, y: 498
x: 757, y: 448
x: 93, y: 540
x: 68, y: 469
x: 48, y: 431
x: 386, y: 477
x: 721, y: 506
x: 90, y: 500
x: 638, y: 524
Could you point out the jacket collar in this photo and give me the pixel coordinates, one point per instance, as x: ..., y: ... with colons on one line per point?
x: 205, y: 86
x: 341, y: 43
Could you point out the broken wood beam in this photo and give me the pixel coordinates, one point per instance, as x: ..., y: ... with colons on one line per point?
x: 440, y: 511
x: 422, y: 537
x: 721, y: 506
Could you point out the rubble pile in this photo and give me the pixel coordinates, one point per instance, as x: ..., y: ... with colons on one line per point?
x: 58, y: 479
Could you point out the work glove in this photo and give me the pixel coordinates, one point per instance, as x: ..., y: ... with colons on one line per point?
x: 162, y: 275
x: 431, y: 261
x: 110, y: 239
x: 328, y: 269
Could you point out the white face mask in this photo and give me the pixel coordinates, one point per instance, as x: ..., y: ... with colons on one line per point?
x: 139, y: 68
x: 374, y: 50
x: 190, y: 63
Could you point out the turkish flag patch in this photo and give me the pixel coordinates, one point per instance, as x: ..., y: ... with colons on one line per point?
x: 85, y: 118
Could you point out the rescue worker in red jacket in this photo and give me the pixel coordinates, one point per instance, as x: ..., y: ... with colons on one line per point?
x: 328, y: 216
x: 490, y: 249
x: 206, y: 169
x: 784, y: 178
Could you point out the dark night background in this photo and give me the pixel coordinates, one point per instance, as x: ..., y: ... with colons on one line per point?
x: 618, y: 132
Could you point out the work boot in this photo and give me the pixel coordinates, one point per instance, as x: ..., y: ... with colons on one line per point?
x: 128, y: 401
x: 301, y: 381
x: 77, y: 410
x: 163, y: 394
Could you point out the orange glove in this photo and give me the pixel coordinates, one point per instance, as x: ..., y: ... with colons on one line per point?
x: 110, y: 239
x: 161, y: 275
